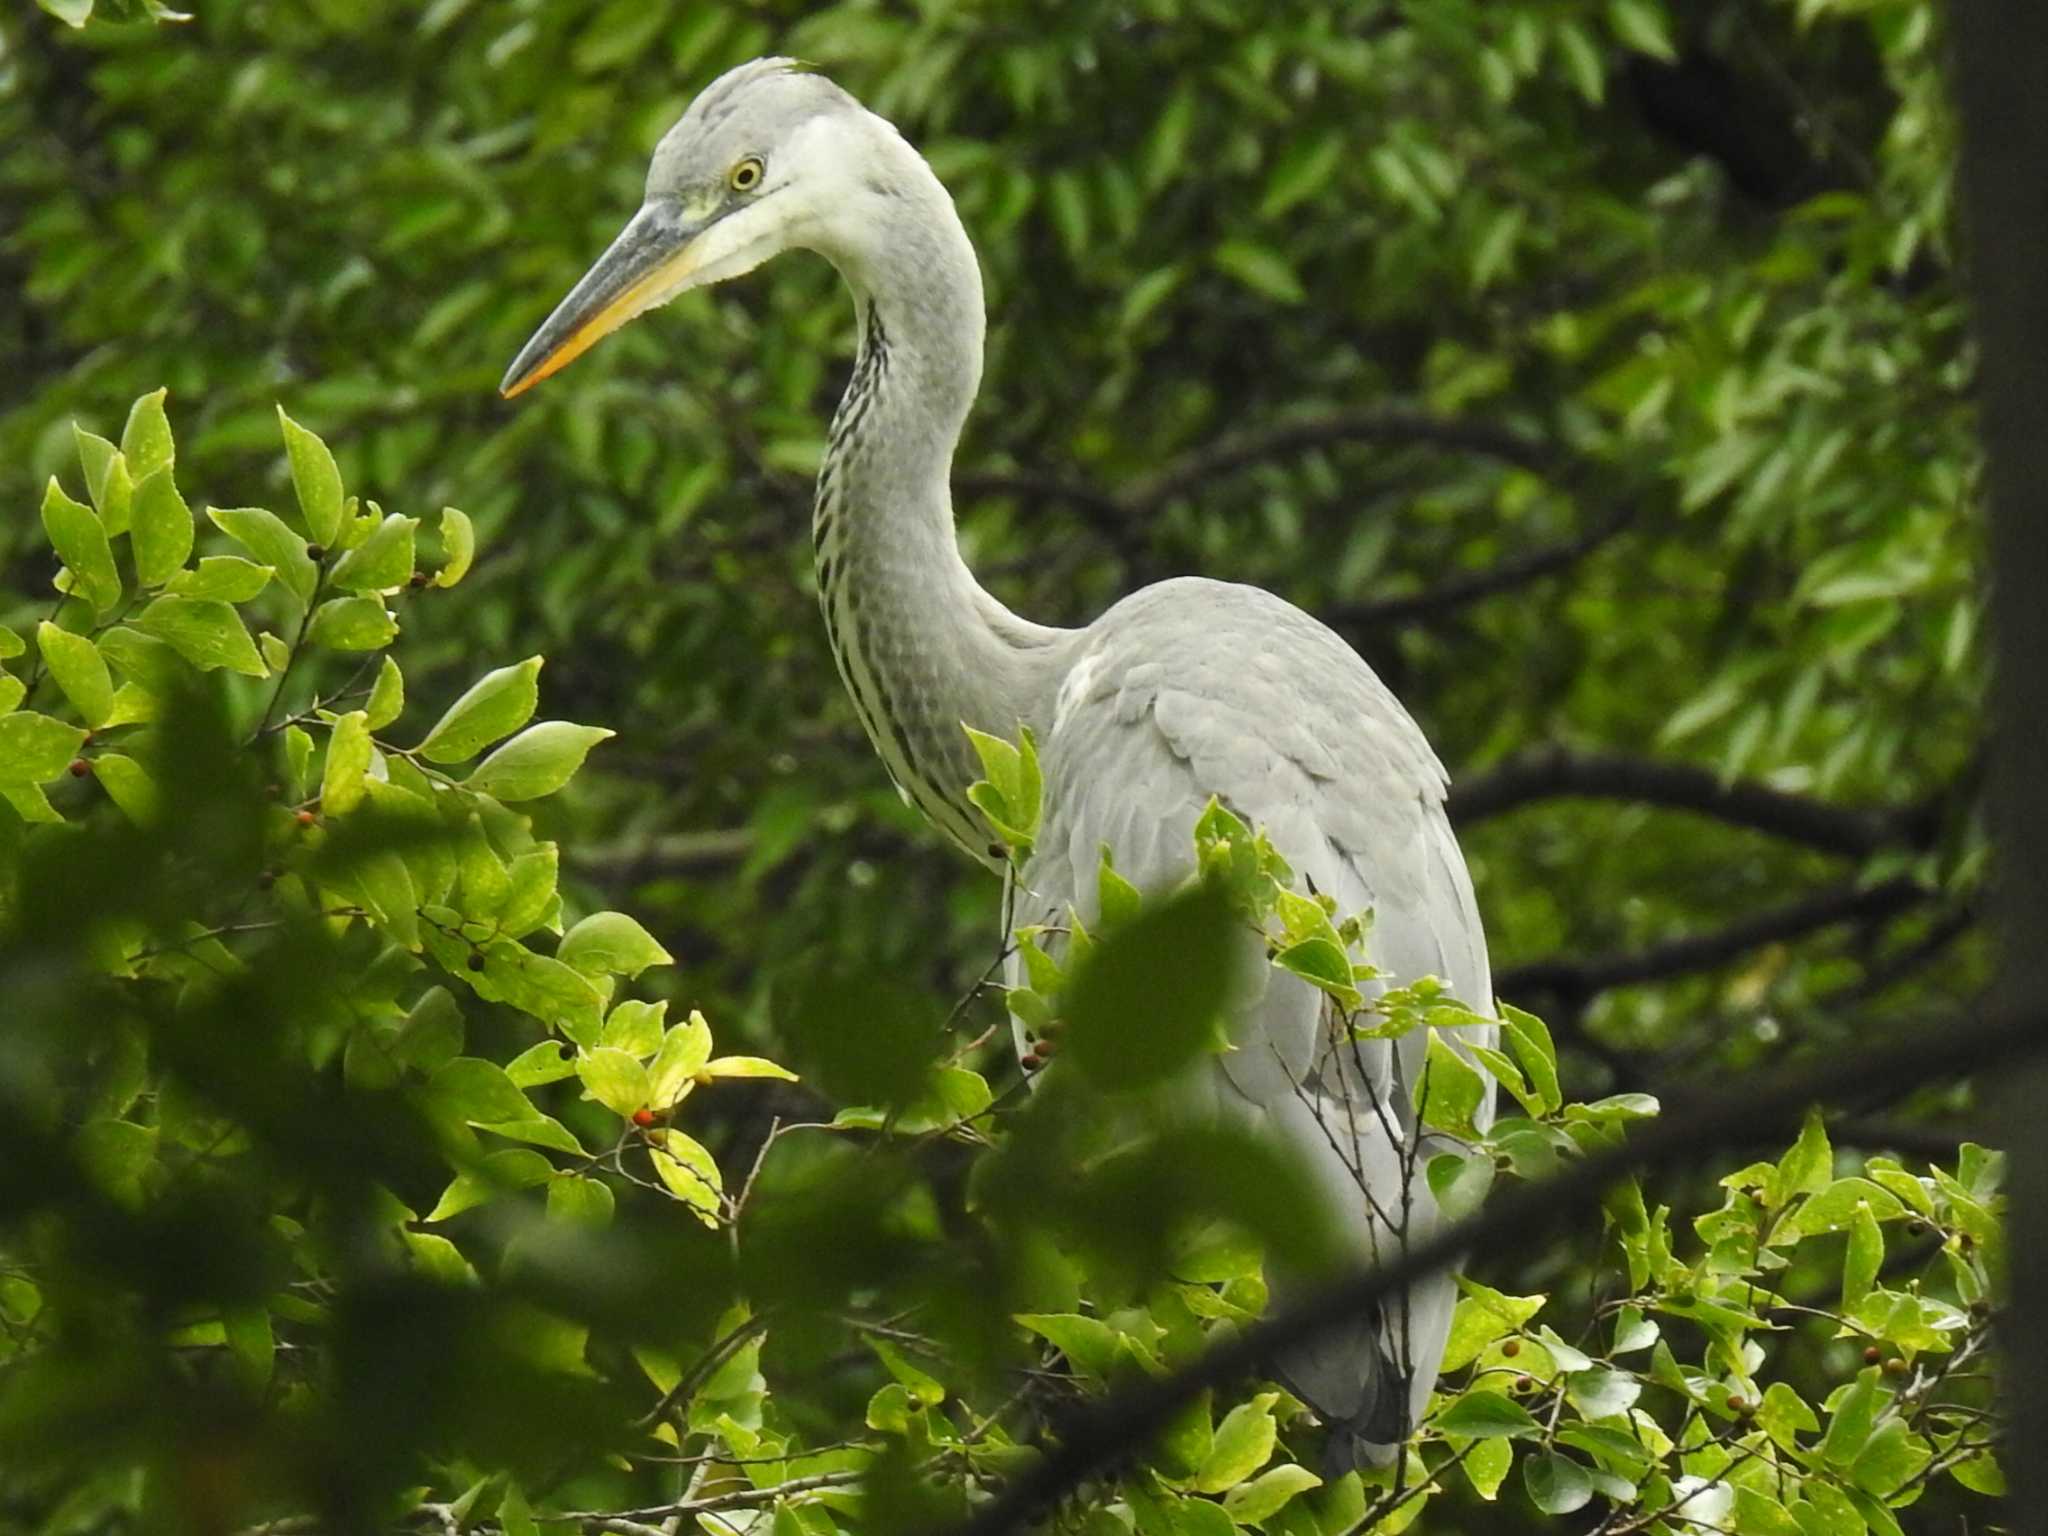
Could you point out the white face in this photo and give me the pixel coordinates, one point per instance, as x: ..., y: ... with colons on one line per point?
x: 714, y: 213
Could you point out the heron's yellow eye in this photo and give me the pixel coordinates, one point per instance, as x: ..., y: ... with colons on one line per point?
x: 746, y: 175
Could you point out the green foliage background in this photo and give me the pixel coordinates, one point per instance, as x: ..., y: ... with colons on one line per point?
x: 1597, y: 367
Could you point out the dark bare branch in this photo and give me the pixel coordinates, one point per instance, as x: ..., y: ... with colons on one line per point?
x: 1407, y: 428
x: 1572, y: 980
x: 1559, y: 774
x: 1503, y: 576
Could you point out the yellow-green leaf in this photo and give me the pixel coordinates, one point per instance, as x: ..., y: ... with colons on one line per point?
x: 80, y: 540
x: 315, y: 478
x: 266, y: 536
x: 615, y: 1079
x: 536, y: 762
x: 611, y: 943
x: 80, y: 671
x: 146, y: 439
x: 348, y: 762
x: 493, y: 707
x: 458, y: 547
x: 206, y: 632
x: 159, y: 528
x: 352, y: 624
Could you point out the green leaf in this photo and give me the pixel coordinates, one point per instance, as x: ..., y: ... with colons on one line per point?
x: 266, y: 536
x: 205, y: 631
x: 1322, y: 961
x: 381, y: 562
x: 1260, y: 268
x: 352, y: 624
x: 1861, y: 1260
x: 1146, y: 1001
x: 635, y: 1027
x: 1302, y: 171
x: 494, y: 706
x: 1482, y: 1316
x: 615, y: 1079
x: 684, y: 1051
x: 314, y: 478
x: 1450, y: 1091
x: 579, y: 1201
x: 1486, y: 1466
x: 1643, y: 26
x: 387, y: 696
x: 1484, y: 1415
x: 530, y: 890
x: 690, y: 1172
x: 107, y: 478
x: 1243, y: 1444
x: 11, y: 644
x: 611, y: 943
x: 536, y: 762
x: 76, y: 664
x: 1850, y: 1422
x: 1809, y: 1166
x: 1557, y: 1485
x: 1600, y: 1393
x: 146, y: 439
x: 761, y: 1066
x: 548, y: 1062
x: 159, y: 528
x: 1529, y: 1038
x: 458, y: 547
x: 1264, y: 1496
x: 34, y: 749
x: 348, y: 764
x: 1890, y: 1458
x: 80, y: 540
x: 128, y: 786
x: 229, y: 578
x: 1089, y: 1344
x: 1459, y: 1183
x: 479, y: 1092
x: 513, y: 1168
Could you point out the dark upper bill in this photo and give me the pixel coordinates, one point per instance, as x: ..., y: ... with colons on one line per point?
x: 649, y: 262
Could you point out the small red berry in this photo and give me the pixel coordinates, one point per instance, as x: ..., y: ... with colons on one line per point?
x: 417, y: 580
x: 476, y: 960
x: 1029, y: 1060
x: 1872, y: 1354
x: 80, y: 768
x: 305, y: 818
x: 1524, y: 1383
x: 568, y: 1051
x: 643, y: 1117
x: 315, y: 552
x: 1511, y: 1348
x: 1736, y: 1402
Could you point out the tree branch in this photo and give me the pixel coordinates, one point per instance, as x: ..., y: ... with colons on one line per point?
x: 1129, y: 1418
x: 1502, y: 576
x: 1555, y: 773
x: 1578, y: 979
x: 1196, y: 468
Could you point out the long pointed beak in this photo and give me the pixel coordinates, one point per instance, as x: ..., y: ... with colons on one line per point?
x: 649, y: 263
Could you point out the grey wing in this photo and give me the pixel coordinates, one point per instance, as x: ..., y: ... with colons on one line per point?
x: 1198, y: 689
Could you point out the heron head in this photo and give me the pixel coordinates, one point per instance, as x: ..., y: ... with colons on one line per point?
x: 755, y: 166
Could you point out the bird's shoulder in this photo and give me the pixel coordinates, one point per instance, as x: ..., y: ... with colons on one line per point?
x: 1232, y: 680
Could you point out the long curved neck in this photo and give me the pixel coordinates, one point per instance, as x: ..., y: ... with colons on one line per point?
x: 922, y: 648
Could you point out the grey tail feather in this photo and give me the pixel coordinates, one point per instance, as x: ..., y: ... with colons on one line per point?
x: 1372, y: 1433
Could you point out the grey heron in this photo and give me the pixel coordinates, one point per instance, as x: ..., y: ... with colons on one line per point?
x: 1185, y: 690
